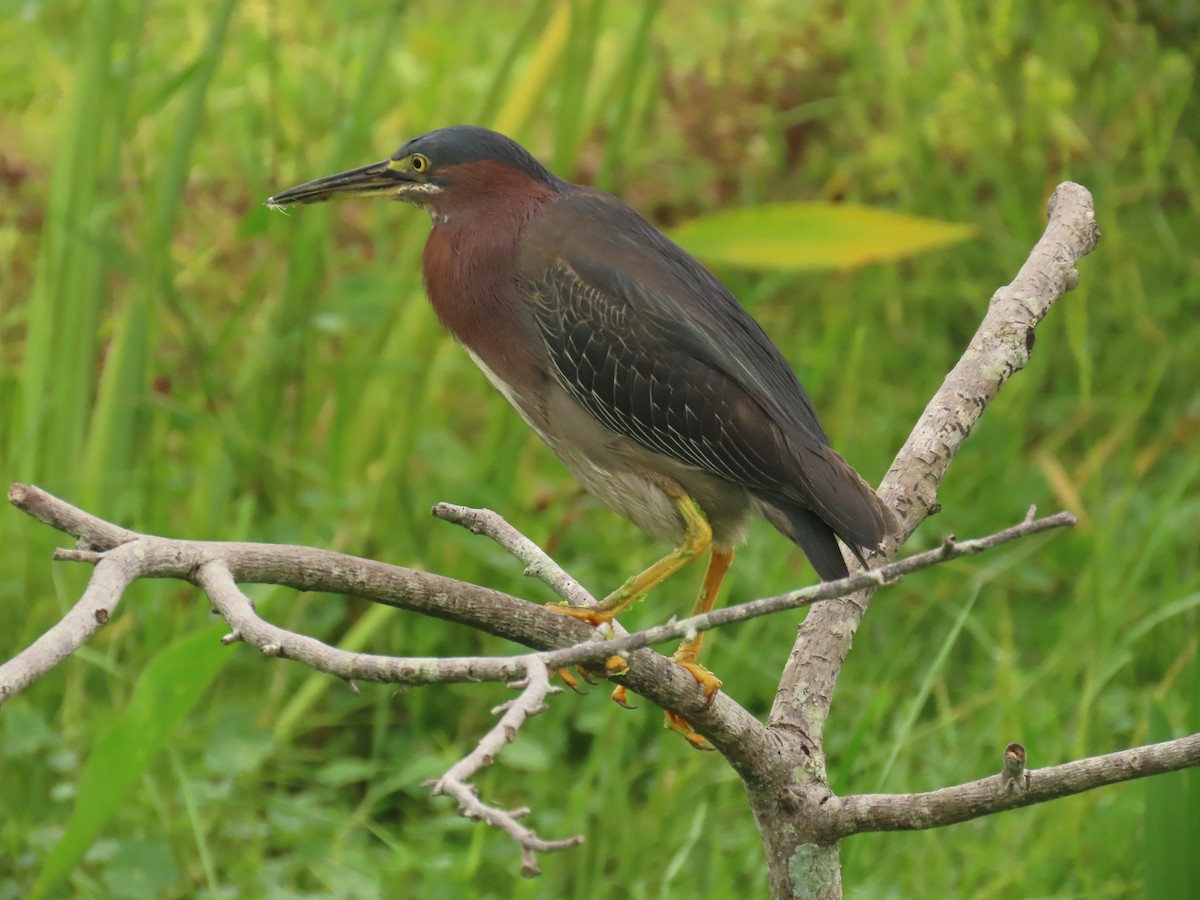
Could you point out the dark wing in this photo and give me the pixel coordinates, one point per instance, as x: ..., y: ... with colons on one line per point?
x: 656, y: 348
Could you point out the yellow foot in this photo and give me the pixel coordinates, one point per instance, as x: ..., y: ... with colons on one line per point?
x: 680, y: 726
x: 588, y: 614
x: 615, y: 665
x: 709, y: 682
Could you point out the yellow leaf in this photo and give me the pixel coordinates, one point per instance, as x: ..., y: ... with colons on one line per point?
x: 798, y: 236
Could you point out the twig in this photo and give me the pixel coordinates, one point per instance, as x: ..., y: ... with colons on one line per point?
x: 537, y: 563
x: 235, y: 607
x: 321, y: 571
x: 827, y: 590
x: 91, y: 613
x: 933, y: 809
x: 456, y: 781
x: 216, y: 581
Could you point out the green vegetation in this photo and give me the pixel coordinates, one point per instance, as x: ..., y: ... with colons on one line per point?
x: 179, y: 360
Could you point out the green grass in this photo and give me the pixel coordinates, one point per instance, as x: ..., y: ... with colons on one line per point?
x: 184, y: 362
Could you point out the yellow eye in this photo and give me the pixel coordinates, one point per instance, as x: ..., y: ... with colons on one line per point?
x: 420, y: 164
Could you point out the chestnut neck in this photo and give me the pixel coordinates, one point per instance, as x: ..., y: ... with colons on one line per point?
x: 470, y: 260
x: 480, y: 195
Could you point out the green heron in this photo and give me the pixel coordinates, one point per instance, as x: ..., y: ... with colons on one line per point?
x: 628, y: 358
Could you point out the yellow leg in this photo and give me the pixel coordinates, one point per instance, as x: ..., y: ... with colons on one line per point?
x: 689, y: 651
x: 718, y: 565
x: 696, y: 539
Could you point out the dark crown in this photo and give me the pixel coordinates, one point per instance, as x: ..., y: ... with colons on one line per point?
x: 460, y: 144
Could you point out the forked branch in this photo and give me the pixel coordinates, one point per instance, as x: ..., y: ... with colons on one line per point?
x: 999, y: 349
x: 1012, y: 788
x: 765, y: 756
x: 216, y: 581
x: 211, y: 567
x: 535, y: 687
x: 216, y: 566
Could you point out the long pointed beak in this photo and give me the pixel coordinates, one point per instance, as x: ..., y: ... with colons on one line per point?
x: 375, y: 180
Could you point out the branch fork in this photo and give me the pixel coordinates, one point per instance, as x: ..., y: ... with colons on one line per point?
x: 807, y: 820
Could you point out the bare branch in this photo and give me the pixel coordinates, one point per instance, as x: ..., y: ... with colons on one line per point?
x: 93, y: 533
x: 310, y: 569
x: 743, y: 739
x: 207, y: 564
x: 914, y: 812
x: 745, y: 742
x: 456, y: 781
x: 108, y: 582
x: 537, y: 563
x: 148, y: 556
x: 1000, y: 348
x: 235, y: 607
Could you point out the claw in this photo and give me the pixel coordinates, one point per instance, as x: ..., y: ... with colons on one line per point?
x: 619, y: 697
x: 572, y: 682
x: 586, y: 675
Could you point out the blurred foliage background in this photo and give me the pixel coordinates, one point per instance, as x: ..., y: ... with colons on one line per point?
x: 178, y: 360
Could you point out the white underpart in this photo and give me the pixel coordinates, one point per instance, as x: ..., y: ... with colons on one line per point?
x: 631, y: 494
x: 504, y: 389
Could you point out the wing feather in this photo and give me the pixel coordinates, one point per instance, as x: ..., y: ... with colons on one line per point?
x: 658, y: 350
